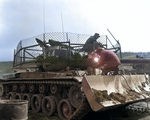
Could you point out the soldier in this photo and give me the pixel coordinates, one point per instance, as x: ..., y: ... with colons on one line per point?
x: 91, y: 44
x: 108, y: 61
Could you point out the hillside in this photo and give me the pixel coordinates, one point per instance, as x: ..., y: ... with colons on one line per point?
x: 132, y: 55
x: 6, y: 67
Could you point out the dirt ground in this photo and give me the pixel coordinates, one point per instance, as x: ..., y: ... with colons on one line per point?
x: 41, y: 116
x: 109, y: 115
x: 134, y: 115
x: 117, y: 115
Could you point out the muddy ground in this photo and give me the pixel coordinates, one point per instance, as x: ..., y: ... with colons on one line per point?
x: 117, y: 115
x: 109, y: 115
x: 41, y: 116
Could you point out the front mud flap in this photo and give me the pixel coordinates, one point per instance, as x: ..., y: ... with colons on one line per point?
x: 107, y: 92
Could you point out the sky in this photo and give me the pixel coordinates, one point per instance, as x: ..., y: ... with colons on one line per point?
x: 128, y: 21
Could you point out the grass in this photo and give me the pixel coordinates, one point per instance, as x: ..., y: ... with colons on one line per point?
x: 41, y: 116
x: 6, y: 67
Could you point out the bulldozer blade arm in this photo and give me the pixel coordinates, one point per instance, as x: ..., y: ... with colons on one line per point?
x: 106, y: 92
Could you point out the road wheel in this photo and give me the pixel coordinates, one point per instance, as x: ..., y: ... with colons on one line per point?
x: 75, y: 96
x: 22, y: 87
x: 65, y: 110
x: 42, y: 88
x: 53, y: 89
x: 32, y: 88
x: 18, y: 96
x: 10, y: 95
x: 48, y: 105
x: 36, y: 102
x: 27, y: 96
x: 15, y: 87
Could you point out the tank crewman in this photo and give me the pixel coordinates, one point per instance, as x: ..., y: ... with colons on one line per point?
x: 108, y: 61
x: 91, y: 44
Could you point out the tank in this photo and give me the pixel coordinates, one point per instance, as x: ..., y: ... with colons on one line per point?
x: 63, y: 83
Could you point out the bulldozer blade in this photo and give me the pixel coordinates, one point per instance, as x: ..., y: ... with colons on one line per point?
x: 106, y: 92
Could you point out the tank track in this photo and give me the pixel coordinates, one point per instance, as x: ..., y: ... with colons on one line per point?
x: 80, y: 112
x: 29, y: 81
x: 139, y: 107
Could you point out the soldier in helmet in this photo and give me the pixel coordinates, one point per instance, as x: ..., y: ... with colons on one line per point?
x: 91, y: 44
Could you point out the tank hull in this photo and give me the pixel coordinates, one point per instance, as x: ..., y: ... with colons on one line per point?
x: 73, y: 94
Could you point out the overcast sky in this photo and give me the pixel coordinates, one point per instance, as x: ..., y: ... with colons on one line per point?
x: 128, y: 21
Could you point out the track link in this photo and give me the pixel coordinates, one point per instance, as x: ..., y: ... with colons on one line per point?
x: 81, y: 111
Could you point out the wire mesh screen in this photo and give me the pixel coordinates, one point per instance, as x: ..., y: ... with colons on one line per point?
x: 59, y: 47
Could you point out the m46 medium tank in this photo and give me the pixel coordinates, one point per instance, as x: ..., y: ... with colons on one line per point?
x: 68, y: 86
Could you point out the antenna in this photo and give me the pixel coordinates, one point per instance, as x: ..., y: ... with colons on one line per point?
x: 117, y: 42
x: 113, y: 36
x: 44, y: 28
x: 44, y: 20
x: 62, y: 26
